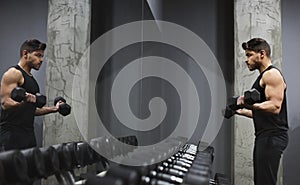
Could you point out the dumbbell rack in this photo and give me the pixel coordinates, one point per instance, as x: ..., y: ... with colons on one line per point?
x: 189, y: 165
x: 185, y: 164
x: 27, y: 166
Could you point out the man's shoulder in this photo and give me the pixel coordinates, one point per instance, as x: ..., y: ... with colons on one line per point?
x: 272, y: 76
x: 273, y: 72
x: 12, y: 73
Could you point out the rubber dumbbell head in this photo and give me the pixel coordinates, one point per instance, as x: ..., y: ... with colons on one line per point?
x: 51, y: 160
x: 64, y: 109
x: 232, y: 103
x: 251, y: 96
x: 36, y: 163
x: 15, y: 166
x: 18, y: 94
x: 59, y: 98
x: 41, y: 100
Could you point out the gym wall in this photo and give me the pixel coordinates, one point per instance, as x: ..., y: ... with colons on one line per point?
x: 21, y: 20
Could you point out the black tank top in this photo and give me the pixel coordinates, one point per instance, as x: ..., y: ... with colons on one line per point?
x: 20, y: 119
x: 267, y: 124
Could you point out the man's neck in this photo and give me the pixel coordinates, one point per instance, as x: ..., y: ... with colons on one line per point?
x: 24, y: 66
x: 264, y: 66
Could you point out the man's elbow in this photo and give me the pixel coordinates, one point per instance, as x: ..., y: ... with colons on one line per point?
x: 3, y: 104
x: 277, y: 109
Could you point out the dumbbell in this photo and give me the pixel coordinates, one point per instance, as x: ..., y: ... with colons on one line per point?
x: 198, y: 164
x: 64, y: 156
x: 86, y: 154
x: 250, y: 97
x: 113, y: 147
x: 51, y: 160
x: 231, y: 107
x: 132, y: 177
x: 175, y: 171
x: 19, y: 94
x: 14, y: 167
x: 198, y: 173
x: 35, y: 163
x: 64, y: 109
x: 151, y: 155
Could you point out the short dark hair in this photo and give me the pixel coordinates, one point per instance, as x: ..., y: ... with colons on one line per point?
x: 256, y: 45
x: 32, y: 45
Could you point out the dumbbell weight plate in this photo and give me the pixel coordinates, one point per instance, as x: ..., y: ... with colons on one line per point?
x: 18, y: 94
x: 64, y: 109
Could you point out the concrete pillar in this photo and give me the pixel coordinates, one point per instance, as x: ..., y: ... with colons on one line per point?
x: 68, y: 38
x: 253, y: 18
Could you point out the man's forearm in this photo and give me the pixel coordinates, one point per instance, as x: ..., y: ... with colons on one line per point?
x: 8, y: 103
x: 45, y: 110
x: 267, y: 106
x: 244, y: 112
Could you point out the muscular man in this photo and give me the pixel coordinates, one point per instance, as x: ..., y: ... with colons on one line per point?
x: 269, y: 115
x: 17, y: 118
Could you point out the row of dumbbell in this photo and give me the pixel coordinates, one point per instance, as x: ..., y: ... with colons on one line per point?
x: 26, y: 166
x: 154, y: 154
x: 187, y: 166
x: 151, y: 174
x: 110, y: 146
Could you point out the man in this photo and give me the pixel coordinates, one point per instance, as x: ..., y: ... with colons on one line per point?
x: 17, y: 118
x: 269, y: 115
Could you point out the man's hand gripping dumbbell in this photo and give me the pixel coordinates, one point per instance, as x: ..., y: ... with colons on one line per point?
x: 64, y: 109
x: 239, y: 102
x: 19, y: 94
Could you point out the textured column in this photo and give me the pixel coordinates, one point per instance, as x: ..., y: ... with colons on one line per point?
x: 68, y: 38
x: 253, y: 18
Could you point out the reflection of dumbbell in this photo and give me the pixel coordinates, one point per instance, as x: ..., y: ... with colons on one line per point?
x: 64, y: 156
x: 113, y: 147
x: 51, y: 160
x: 81, y: 154
x: 35, y: 163
x: 250, y: 97
x: 64, y: 109
x: 14, y: 167
x: 19, y: 94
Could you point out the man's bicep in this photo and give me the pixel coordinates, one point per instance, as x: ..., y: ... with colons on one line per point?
x: 9, y: 81
x: 274, y: 89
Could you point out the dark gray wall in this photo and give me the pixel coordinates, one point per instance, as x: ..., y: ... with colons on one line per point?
x: 211, y: 20
x: 290, y: 67
x: 21, y: 20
